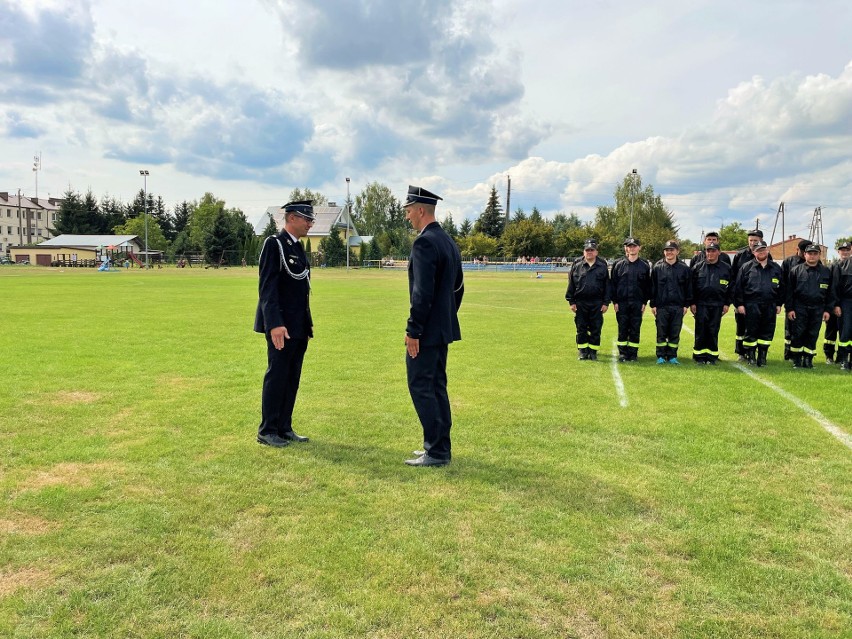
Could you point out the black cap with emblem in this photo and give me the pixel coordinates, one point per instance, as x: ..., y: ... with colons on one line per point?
x: 303, y: 208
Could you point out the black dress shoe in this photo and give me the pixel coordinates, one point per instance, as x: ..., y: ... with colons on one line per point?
x: 293, y: 437
x: 426, y: 460
x: 272, y: 440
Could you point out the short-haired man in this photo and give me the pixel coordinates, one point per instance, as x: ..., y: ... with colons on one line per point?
x: 435, y: 288
x: 786, y: 266
x: 832, y: 325
x: 758, y: 295
x: 841, y: 284
x: 589, y: 296
x: 808, y: 304
x: 743, y: 257
x: 284, y: 316
x: 711, y: 297
x: 630, y: 281
x: 671, y: 295
x: 711, y: 237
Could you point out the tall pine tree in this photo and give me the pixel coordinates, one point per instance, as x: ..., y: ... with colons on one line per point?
x: 490, y: 222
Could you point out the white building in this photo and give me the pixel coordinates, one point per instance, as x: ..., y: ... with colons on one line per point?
x: 26, y: 220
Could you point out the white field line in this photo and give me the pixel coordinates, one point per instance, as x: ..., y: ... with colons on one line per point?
x: 616, y: 376
x: 830, y: 427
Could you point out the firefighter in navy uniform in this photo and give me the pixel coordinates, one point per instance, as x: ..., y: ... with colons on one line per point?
x: 711, y: 297
x: 758, y: 296
x: 671, y: 295
x: 743, y: 257
x: 284, y: 316
x: 841, y: 285
x: 808, y: 304
x: 589, y: 296
x: 630, y: 281
x: 787, y: 266
x: 832, y: 325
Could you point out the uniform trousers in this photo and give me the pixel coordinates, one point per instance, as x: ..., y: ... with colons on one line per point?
x: 708, y: 320
x: 832, y: 327
x: 739, y: 322
x: 804, y: 330
x: 280, y: 385
x: 629, y: 319
x: 589, y: 321
x: 669, y: 323
x: 844, y: 335
x: 759, y: 326
x: 427, y: 385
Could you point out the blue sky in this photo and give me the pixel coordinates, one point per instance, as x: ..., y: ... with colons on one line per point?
x: 727, y: 108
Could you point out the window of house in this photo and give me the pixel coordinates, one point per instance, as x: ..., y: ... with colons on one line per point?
x: 38, y: 215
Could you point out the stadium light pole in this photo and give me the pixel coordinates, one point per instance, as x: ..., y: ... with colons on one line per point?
x: 145, y: 173
x: 632, y: 194
x: 348, y: 215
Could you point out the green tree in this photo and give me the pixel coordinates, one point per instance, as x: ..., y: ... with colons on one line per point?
x: 202, y: 218
x: 449, y: 226
x: 333, y: 249
x: 180, y: 216
x: 466, y: 228
x: 181, y: 245
x: 220, y: 244
x: 308, y: 249
x: 478, y: 245
x: 528, y: 238
x: 375, y: 253
x: 374, y: 209
x: 113, y: 212
x: 490, y: 221
x: 535, y: 215
x: 518, y: 215
x: 76, y: 217
x: 570, y: 241
x: 271, y: 227
x: 560, y: 222
x: 732, y: 237
x: 136, y: 226
x: 306, y: 194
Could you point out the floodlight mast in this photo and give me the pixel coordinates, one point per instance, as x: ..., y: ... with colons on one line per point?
x: 145, y: 173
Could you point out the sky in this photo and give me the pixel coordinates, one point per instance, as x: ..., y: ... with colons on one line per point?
x: 726, y: 108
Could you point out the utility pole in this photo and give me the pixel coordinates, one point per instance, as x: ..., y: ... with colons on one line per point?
x: 348, y: 215
x: 508, y: 200
x: 633, y: 175
x: 20, y: 220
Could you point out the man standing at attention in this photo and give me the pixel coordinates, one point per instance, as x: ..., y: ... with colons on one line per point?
x: 284, y: 316
x: 758, y: 295
x: 436, y: 288
x: 743, y: 257
x: 841, y: 284
x: 832, y: 325
x: 711, y: 297
x: 631, y: 288
x: 671, y: 295
x: 589, y: 296
x: 808, y: 305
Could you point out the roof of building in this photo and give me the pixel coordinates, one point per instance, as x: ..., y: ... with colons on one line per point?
x: 90, y: 241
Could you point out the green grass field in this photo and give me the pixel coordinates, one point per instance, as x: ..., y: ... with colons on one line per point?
x: 136, y: 502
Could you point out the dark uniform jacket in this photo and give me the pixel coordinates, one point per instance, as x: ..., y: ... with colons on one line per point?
x: 788, y: 264
x: 283, y: 299
x: 435, y: 287
x: 671, y: 284
x: 589, y: 283
x: 759, y: 285
x: 711, y: 284
x: 841, y: 281
x: 809, y: 286
x: 630, y: 281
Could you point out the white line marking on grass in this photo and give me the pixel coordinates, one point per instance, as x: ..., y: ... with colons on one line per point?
x: 616, y: 376
x: 817, y: 416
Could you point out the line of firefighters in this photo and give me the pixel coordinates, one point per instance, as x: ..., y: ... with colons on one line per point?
x: 811, y: 294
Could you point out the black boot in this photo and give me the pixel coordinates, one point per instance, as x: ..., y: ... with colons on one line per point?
x: 797, y: 360
x: 582, y: 353
x: 808, y: 361
x: 761, y: 355
x: 592, y: 355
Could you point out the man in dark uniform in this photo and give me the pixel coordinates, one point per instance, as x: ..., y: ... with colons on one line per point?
x: 671, y: 295
x: 841, y: 284
x: 711, y: 297
x: 589, y: 296
x: 758, y: 295
x: 284, y: 316
x: 630, y: 282
x: 832, y: 325
x: 436, y: 288
x: 743, y: 257
x: 808, y: 304
x: 787, y: 266
x: 711, y: 237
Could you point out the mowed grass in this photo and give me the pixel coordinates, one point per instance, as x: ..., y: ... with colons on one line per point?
x: 136, y: 503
